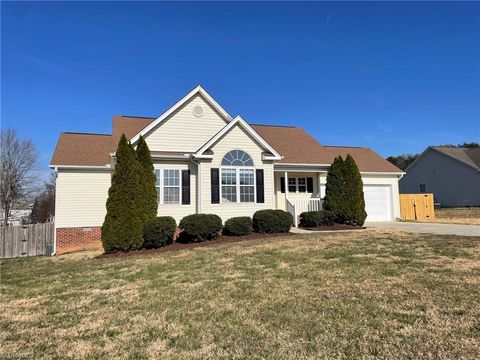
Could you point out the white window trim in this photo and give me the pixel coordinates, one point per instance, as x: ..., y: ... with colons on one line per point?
x: 161, y: 186
x: 297, y: 191
x: 237, y: 185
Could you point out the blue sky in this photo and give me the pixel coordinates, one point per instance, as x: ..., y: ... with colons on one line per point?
x: 395, y: 77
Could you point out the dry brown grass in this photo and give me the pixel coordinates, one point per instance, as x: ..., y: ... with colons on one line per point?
x: 372, y: 294
x: 458, y: 216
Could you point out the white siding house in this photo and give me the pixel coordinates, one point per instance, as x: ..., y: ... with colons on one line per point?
x: 207, y: 161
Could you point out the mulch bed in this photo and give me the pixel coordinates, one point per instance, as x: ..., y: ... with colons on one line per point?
x: 334, y: 227
x: 222, y: 239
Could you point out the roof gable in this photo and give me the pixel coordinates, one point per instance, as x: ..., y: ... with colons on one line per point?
x: 183, y: 130
x: 195, y: 92
x: 238, y: 121
x: 465, y: 156
x: 470, y: 157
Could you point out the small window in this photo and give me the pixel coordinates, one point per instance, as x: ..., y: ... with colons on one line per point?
x: 292, y: 184
x: 302, y: 185
x: 423, y: 188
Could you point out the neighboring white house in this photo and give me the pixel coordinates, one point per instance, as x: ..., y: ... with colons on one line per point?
x: 18, y: 216
x: 451, y: 174
x: 207, y: 161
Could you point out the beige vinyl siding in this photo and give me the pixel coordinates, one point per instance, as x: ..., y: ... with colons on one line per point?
x: 81, y: 197
x: 183, y: 131
x: 236, y: 139
x: 178, y: 211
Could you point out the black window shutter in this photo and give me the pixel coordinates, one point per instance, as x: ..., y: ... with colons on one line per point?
x: 282, y: 184
x: 310, y: 185
x: 185, y: 187
x: 215, y: 188
x: 260, y: 186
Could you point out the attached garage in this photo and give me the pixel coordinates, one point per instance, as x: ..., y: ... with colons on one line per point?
x: 378, y: 202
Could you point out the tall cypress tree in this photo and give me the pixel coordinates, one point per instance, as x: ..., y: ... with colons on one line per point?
x: 122, y: 228
x: 335, y: 189
x: 355, y: 209
x: 148, y: 197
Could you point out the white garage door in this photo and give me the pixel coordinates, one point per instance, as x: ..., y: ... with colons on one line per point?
x: 378, y: 202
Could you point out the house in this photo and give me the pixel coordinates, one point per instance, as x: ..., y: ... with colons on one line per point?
x: 18, y: 216
x: 451, y: 174
x: 207, y: 161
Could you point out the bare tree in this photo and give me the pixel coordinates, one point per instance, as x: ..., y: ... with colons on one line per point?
x: 17, y: 164
x: 44, y: 206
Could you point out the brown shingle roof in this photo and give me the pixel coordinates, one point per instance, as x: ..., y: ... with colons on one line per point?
x: 293, y: 143
x: 128, y: 125
x: 298, y: 147
x: 94, y: 149
x: 82, y: 149
x: 470, y: 157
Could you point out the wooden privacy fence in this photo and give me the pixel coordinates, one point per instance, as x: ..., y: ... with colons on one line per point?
x: 417, y: 207
x: 26, y: 240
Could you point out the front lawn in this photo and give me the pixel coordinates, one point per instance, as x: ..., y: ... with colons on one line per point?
x: 458, y: 215
x: 368, y: 294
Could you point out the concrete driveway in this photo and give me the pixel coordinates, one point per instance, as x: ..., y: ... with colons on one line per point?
x: 430, y: 228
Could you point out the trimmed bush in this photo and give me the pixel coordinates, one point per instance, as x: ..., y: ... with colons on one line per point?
x: 335, y: 198
x: 200, y: 227
x: 123, y: 227
x: 159, y: 232
x: 148, y: 195
x: 344, y: 192
x: 238, y: 226
x: 317, y: 218
x: 272, y: 221
x: 355, y: 213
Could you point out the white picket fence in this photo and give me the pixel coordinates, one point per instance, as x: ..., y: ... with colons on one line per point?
x: 26, y: 240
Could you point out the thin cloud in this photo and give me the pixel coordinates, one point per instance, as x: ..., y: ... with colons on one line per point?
x: 327, y: 20
x: 44, y: 63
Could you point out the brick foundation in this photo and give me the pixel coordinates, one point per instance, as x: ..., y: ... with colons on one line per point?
x: 78, y: 239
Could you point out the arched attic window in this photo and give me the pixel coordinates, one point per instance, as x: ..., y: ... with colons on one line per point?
x: 237, y: 158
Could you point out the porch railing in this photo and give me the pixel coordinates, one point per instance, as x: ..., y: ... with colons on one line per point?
x: 291, y: 208
x: 312, y: 204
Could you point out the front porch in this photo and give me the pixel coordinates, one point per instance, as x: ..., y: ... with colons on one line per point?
x: 301, y: 190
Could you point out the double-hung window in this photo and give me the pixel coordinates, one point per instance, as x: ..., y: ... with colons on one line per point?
x: 247, y: 185
x: 297, y: 184
x: 237, y: 178
x: 168, y: 186
x: 229, y: 185
x: 171, y: 186
x: 292, y: 184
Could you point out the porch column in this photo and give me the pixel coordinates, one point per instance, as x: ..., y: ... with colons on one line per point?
x: 319, y: 182
x: 286, y: 185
